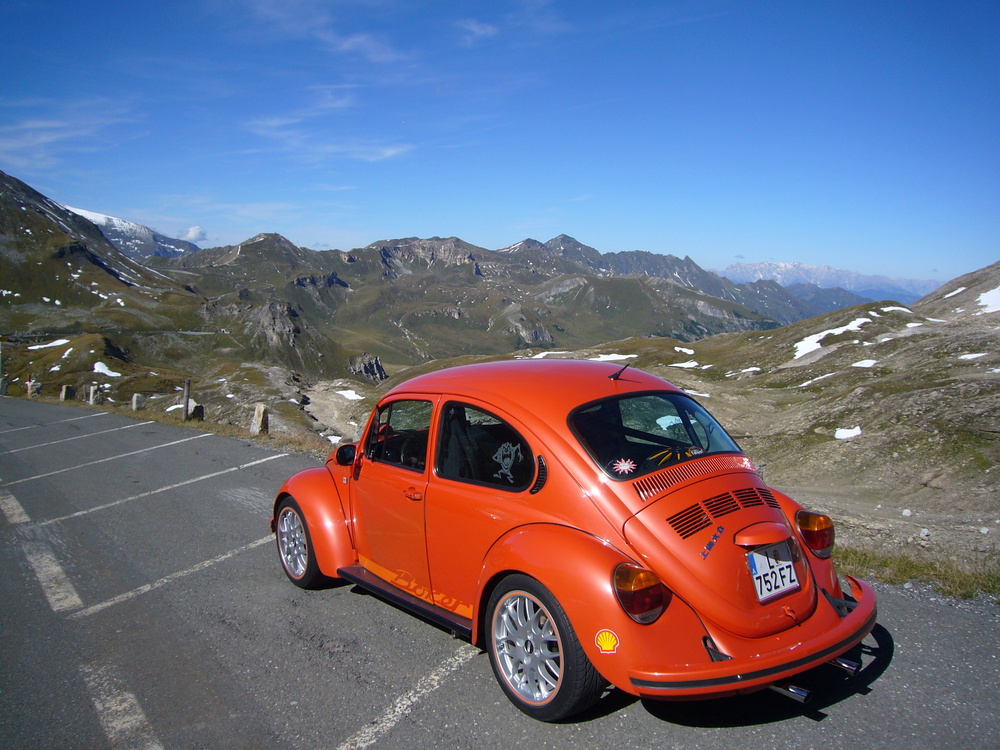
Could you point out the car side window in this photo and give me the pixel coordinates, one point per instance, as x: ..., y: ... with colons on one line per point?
x: 480, y: 448
x: 398, y: 434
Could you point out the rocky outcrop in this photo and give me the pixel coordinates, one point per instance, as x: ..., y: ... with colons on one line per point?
x: 315, y: 280
x: 397, y: 256
x: 368, y: 366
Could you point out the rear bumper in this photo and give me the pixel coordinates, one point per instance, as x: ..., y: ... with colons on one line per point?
x: 738, y: 675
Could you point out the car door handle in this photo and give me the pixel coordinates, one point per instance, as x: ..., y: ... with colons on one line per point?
x: 413, y: 494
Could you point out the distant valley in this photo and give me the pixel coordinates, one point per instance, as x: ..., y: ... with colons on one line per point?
x: 327, y: 313
x: 885, y: 413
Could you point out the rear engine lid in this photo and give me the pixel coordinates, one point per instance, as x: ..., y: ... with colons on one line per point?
x: 725, y: 547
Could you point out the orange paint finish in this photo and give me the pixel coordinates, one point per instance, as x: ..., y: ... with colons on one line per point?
x: 468, y: 478
x: 317, y: 495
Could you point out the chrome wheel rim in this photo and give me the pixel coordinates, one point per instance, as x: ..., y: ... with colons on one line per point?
x: 527, y: 647
x: 292, y: 543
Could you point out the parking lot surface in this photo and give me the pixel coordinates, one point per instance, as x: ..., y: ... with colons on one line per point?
x: 142, y: 605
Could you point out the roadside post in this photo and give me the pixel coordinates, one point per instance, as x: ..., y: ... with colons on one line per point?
x: 187, y: 398
x: 3, y: 380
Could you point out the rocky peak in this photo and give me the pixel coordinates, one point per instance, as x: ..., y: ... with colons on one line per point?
x: 368, y: 366
x: 397, y: 256
x: 136, y: 240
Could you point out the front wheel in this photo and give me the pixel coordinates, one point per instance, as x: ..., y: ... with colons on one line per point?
x: 535, y: 654
x: 295, y: 549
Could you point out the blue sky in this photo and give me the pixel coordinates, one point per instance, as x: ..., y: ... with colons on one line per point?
x: 859, y: 134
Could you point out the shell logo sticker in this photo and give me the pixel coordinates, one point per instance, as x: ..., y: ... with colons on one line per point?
x: 607, y: 641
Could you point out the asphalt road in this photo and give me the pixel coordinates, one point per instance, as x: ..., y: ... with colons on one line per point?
x: 142, y: 606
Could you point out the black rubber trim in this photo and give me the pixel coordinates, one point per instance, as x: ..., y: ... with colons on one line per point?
x: 356, y: 574
x: 738, y: 679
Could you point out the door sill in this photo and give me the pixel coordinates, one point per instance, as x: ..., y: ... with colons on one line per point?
x: 458, y: 626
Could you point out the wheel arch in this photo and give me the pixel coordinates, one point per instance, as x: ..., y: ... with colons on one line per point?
x: 578, y: 568
x: 322, y: 508
x: 578, y: 575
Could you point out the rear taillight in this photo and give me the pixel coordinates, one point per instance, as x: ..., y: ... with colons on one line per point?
x: 817, y: 532
x: 640, y: 592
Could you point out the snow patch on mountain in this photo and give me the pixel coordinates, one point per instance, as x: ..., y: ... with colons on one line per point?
x: 136, y: 240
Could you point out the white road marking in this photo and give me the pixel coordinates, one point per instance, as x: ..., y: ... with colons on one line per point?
x: 78, y: 437
x: 53, y: 579
x: 104, y: 460
x: 404, y: 704
x: 12, y: 509
x: 47, y: 424
x: 95, y: 608
x: 153, y: 492
x: 122, y: 718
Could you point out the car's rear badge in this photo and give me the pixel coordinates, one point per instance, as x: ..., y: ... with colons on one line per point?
x: 607, y: 641
x: 711, y: 542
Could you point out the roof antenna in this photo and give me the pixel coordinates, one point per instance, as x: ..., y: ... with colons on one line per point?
x: 618, y: 374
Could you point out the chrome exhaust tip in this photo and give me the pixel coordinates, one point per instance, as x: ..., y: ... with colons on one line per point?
x: 848, y: 665
x: 796, y: 693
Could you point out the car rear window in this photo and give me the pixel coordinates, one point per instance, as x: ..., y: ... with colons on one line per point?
x: 637, y: 434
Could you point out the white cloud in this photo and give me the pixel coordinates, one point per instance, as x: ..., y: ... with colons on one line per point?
x: 475, y: 31
x: 311, y: 19
x: 195, y: 234
x: 304, y: 132
x: 50, y: 129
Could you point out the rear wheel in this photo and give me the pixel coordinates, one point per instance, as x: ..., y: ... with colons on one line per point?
x: 295, y: 549
x: 535, y: 654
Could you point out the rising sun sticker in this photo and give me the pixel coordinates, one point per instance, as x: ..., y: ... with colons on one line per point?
x: 624, y: 466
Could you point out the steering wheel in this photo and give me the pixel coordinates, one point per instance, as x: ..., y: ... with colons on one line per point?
x: 413, y: 452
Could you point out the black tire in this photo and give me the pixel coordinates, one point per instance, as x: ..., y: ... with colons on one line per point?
x: 295, y: 549
x: 535, y: 654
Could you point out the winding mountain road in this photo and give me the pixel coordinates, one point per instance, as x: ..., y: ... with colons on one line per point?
x: 142, y: 605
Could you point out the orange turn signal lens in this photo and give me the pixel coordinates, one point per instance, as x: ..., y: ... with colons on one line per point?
x: 817, y: 532
x: 640, y: 592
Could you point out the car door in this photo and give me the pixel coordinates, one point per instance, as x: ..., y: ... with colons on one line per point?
x: 389, y: 491
x: 484, y: 469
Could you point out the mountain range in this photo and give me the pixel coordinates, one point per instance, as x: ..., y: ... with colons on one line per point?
x: 405, y: 301
x: 378, y: 309
x: 136, y: 240
x: 890, y: 410
x: 820, y: 287
x: 793, y: 274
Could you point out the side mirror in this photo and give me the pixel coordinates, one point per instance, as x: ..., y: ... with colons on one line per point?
x: 346, y: 454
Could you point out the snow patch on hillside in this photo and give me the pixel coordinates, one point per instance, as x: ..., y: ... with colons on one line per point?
x: 102, y: 369
x: 57, y: 342
x: 990, y: 301
x: 612, y: 357
x: 812, y: 343
x: 846, y: 433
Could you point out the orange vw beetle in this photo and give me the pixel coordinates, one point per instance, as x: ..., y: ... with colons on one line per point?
x: 584, y: 523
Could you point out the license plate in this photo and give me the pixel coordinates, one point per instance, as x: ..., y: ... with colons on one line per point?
x: 773, y: 571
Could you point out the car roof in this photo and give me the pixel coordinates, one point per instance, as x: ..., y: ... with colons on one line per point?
x: 547, y: 388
